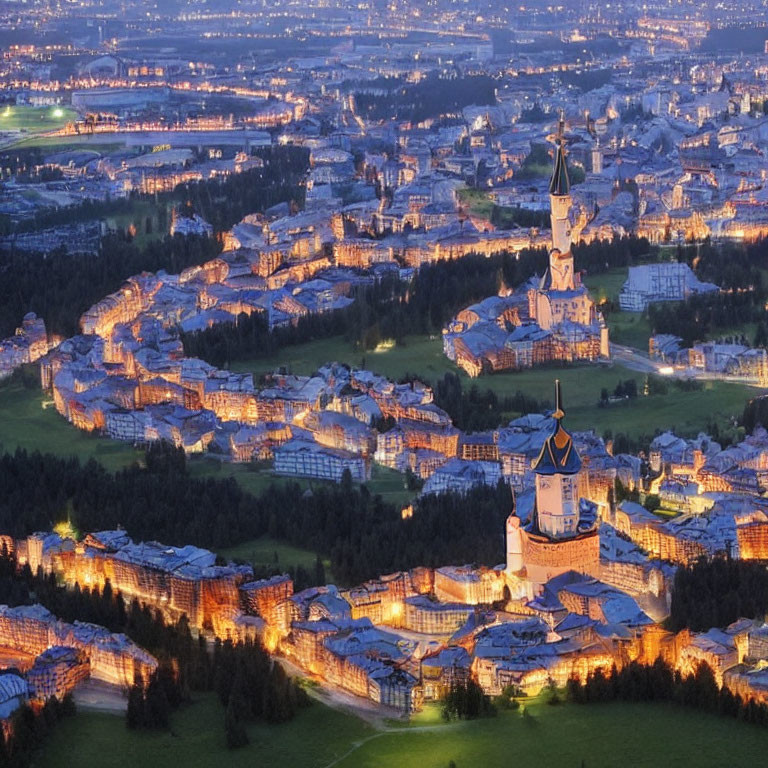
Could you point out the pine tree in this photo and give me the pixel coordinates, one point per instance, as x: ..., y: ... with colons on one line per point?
x: 157, y: 707
x: 68, y: 708
x: 135, y: 713
x: 236, y: 734
x: 319, y: 571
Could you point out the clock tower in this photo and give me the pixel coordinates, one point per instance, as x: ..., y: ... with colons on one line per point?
x: 557, y: 480
x: 562, y: 534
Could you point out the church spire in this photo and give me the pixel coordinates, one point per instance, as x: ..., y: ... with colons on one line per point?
x: 558, y: 455
x: 559, y: 184
x: 559, y: 412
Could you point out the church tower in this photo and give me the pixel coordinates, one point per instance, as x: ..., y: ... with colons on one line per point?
x: 557, y: 480
x: 562, y: 534
x: 560, y: 276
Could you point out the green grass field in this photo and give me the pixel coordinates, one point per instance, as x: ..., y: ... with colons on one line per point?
x: 268, y: 552
x: 566, y: 736
x: 98, y: 142
x: 35, y: 119
x: 28, y: 420
x: 476, y: 201
x: 419, y: 354
x: 196, y: 740
x: 629, y: 328
x: 25, y: 423
x: 606, y: 285
x: 597, y: 736
x: 687, y: 412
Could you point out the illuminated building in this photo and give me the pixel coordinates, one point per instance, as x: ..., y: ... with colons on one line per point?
x: 27, y: 345
x: 113, y: 658
x: 561, y: 298
x: 562, y: 534
x: 553, y: 320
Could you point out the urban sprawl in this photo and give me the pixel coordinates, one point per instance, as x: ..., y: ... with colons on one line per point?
x: 428, y: 135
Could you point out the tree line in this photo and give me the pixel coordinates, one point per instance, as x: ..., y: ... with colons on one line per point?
x: 249, y: 684
x: 224, y: 202
x: 431, y: 97
x: 249, y: 337
x: 659, y: 682
x: 509, y: 217
x: 477, y: 409
x: 465, y: 700
x: 717, y: 592
x: 29, y: 728
x: 755, y: 414
x: 59, y: 286
x: 361, y: 534
x: 738, y: 270
x: 393, y: 309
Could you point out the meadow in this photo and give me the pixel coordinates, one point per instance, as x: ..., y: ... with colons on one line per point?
x: 631, y: 329
x: 631, y: 735
x: 270, y: 552
x: 29, y: 421
x: 687, y: 412
x: 34, y: 119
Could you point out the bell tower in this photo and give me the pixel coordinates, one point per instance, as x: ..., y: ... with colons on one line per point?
x: 557, y: 483
x: 560, y: 257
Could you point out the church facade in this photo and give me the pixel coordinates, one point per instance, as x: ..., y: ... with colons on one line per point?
x: 555, y: 318
x: 561, y: 303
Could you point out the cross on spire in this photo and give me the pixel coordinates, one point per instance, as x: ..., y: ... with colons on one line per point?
x: 559, y: 412
x: 559, y: 183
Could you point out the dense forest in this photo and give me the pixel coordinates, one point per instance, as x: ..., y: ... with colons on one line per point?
x: 745, y: 38
x: 225, y: 202
x: 29, y: 728
x: 431, y: 97
x: 88, y: 210
x: 466, y: 701
x: 478, y: 409
x: 511, y: 217
x: 737, y: 269
x: 755, y: 414
x: 658, y: 682
x: 249, y: 337
x: 717, y: 592
x: 59, y: 286
x: 391, y: 309
x: 249, y: 685
x: 361, y: 534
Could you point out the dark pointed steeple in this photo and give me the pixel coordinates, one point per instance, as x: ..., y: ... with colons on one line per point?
x: 558, y: 455
x: 725, y: 85
x: 559, y: 183
x: 559, y: 412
